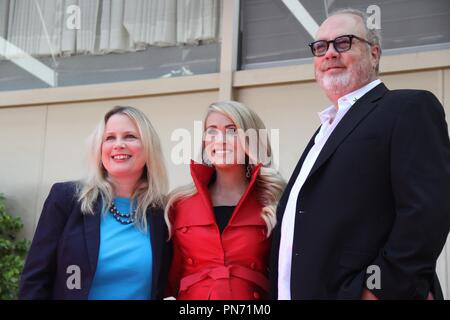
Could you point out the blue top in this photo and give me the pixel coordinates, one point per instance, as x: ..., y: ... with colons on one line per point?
x: 124, y: 267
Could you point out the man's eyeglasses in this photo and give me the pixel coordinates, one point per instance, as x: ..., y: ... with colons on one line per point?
x: 341, y: 44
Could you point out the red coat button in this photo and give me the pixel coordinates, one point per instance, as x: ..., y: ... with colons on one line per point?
x: 184, y: 229
x: 253, y: 265
x: 256, y: 295
x: 189, y: 261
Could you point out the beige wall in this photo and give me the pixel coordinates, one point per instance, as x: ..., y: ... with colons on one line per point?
x: 43, y: 132
x: 47, y: 144
x: 23, y: 134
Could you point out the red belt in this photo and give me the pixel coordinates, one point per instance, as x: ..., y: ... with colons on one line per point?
x: 226, y: 272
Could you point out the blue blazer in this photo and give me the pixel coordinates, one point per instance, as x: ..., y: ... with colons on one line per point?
x: 65, y: 237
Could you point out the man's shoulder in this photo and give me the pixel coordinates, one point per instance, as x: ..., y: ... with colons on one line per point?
x: 399, y: 99
x: 410, y: 94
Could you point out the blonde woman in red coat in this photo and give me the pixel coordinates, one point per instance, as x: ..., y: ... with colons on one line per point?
x: 220, y: 225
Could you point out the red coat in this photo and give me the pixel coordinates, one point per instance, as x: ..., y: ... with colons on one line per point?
x: 208, y: 265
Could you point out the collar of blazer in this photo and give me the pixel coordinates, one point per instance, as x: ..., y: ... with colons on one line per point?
x: 201, y: 204
x: 92, y: 234
x: 354, y: 116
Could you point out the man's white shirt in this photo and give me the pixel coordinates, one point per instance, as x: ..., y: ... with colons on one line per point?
x: 330, y: 118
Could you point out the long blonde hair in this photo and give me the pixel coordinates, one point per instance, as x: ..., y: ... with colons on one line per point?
x: 269, y: 183
x: 152, y: 187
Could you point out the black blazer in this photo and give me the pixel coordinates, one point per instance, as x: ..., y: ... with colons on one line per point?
x: 65, y: 237
x: 378, y: 194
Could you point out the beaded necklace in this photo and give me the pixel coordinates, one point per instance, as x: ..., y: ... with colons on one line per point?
x: 123, y: 218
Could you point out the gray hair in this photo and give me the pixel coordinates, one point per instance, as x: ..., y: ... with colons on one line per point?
x: 373, y: 35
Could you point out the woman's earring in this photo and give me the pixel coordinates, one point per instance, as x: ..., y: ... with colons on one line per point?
x: 206, y: 159
x: 248, y: 171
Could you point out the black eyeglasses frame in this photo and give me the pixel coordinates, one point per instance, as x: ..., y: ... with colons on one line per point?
x: 350, y: 36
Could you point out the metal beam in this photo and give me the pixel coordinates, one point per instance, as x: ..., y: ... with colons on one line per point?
x: 28, y: 63
x: 303, y: 16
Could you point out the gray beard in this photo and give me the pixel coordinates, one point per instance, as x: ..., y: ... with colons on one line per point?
x: 336, y: 83
x: 343, y: 84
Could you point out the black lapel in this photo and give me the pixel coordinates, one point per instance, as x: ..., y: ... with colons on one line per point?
x: 293, y: 178
x: 154, y: 217
x: 280, y: 213
x: 92, y: 234
x: 354, y: 116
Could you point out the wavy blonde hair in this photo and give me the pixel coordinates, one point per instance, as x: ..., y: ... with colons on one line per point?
x: 153, y: 185
x: 269, y: 183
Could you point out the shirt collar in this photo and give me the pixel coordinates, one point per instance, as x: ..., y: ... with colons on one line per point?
x: 327, y: 114
x: 346, y: 101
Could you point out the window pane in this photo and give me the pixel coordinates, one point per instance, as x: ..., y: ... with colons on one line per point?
x: 105, y: 41
x: 272, y: 35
